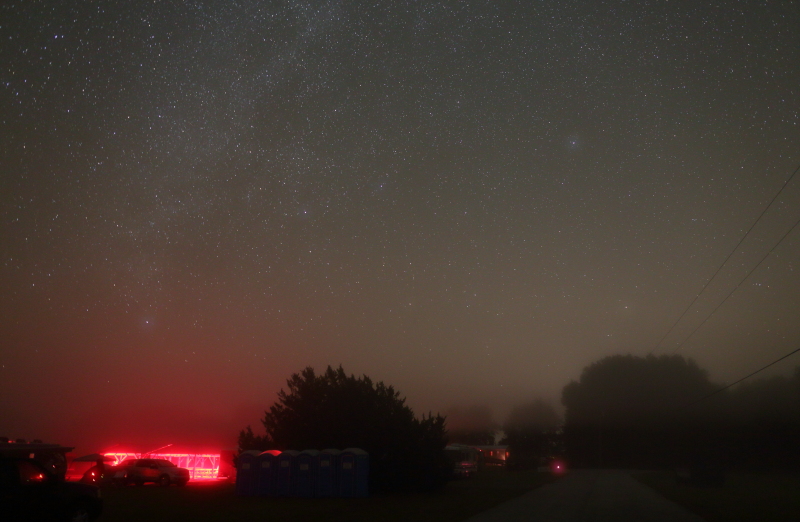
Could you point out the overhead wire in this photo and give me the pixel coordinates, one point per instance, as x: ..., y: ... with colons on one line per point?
x: 779, y: 359
x: 701, y: 399
x: 738, y: 285
x: 785, y: 183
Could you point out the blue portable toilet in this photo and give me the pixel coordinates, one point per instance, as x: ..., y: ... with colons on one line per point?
x: 327, y: 479
x: 267, y: 464
x: 284, y: 478
x: 354, y: 473
x: 306, y: 473
x: 247, y: 473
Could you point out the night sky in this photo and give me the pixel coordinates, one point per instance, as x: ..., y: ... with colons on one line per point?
x: 468, y: 200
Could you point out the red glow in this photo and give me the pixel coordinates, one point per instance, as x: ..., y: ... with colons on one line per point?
x: 201, y: 466
x: 557, y: 467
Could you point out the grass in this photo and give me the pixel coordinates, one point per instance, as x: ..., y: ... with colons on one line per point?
x: 767, y: 497
x: 217, y: 502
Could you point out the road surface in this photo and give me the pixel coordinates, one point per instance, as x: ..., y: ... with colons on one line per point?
x: 589, y: 496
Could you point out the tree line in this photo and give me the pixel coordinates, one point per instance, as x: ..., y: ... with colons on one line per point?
x: 623, y: 411
x: 628, y: 411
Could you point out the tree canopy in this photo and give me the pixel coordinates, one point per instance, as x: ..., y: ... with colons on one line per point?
x: 633, y: 411
x: 626, y: 390
x: 334, y: 410
x: 664, y: 411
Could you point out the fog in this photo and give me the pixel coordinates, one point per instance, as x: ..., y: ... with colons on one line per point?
x: 471, y: 203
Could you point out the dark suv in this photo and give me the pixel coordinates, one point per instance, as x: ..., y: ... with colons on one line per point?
x: 30, y: 492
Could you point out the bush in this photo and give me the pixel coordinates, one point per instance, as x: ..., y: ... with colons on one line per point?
x: 334, y: 410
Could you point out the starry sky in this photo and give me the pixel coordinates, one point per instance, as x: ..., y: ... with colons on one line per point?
x: 468, y: 200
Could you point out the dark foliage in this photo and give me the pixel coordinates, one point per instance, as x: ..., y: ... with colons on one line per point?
x: 625, y: 390
x: 250, y: 441
x: 631, y: 411
x: 334, y: 410
x: 764, y: 415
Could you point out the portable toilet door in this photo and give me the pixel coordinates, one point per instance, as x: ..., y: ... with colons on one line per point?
x: 307, y: 469
x: 247, y: 473
x: 284, y: 486
x: 327, y: 478
x: 267, y: 464
x: 354, y: 473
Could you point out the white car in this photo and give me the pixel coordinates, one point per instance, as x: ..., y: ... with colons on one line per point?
x: 159, y: 471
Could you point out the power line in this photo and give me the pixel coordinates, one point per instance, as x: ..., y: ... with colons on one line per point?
x: 743, y: 378
x: 740, y: 284
x: 726, y: 260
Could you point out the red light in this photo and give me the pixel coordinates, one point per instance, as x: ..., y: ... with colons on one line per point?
x: 201, y: 466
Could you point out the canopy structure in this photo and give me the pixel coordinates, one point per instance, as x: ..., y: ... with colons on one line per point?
x: 201, y: 466
x: 94, y: 457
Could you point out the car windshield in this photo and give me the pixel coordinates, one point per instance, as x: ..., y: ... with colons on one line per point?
x: 165, y: 464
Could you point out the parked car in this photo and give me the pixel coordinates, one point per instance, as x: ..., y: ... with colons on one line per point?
x: 159, y: 471
x: 30, y: 492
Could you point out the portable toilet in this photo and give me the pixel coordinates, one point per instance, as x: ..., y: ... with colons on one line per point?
x: 284, y: 485
x: 267, y: 464
x: 247, y: 473
x: 327, y: 479
x: 307, y: 470
x: 354, y: 473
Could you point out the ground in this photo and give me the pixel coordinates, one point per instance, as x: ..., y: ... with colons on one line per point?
x: 495, y: 495
x: 744, y: 497
x: 207, y: 502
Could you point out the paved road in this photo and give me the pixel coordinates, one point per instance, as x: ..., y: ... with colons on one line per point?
x: 589, y: 496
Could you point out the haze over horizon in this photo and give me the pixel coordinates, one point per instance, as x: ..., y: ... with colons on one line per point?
x: 470, y: 201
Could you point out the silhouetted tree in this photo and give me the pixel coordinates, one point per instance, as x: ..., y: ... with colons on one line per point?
x: 250, y: 441
x: 772, y: 400
x: 334, y: 410
x: 765, y: 415
x: 634, y: 411
x: 533, y: 434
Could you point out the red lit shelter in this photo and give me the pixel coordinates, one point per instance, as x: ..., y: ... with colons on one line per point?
x: 201, y: 466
